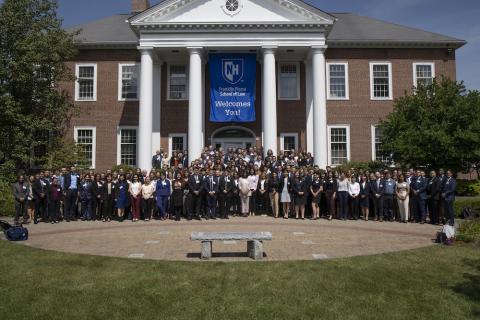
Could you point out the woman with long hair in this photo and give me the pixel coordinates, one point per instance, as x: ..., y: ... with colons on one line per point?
x: 316, y: 189
x: 299, y: 195
x: 121, y: 197
x: 245, y: 193
x: 285, y: 187
x: 177, y: 196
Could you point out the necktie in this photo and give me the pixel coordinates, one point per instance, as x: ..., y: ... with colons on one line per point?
x: 211, y: 183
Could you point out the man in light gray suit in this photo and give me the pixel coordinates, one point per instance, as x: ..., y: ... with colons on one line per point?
x: 20, y: 192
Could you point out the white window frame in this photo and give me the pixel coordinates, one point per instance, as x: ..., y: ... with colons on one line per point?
x: 297, y: 66
x: 288, y: 134
x: 94, y: 140
x: 339, y: 126
x: 187, y: 75
x: 175, y: 135
x: 347, y: 89
x: 120, y: 66
x: 390, y: 83
x: 119, y: 142
x: 415, y: 64
x: 77, y: 86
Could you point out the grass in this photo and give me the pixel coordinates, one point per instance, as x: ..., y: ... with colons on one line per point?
x: 438, y: 282
x: 469, y: 231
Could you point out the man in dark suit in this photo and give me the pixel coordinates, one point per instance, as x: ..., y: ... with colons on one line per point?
x: 448, y: 195
x: 210, y: 185
x: 40, y: 188
x: 20, y: 192
x: 194, y: 197
x: 419, y: 197
x: 157, y: 159
x: 225, y: 193
x: 441, y: 205
x: 434, y: 189
x: 376, y: 192
x: 71, y: 182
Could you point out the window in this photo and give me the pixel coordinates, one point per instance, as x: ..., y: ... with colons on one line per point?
x: 423, y: 73
x: 128, y: 81
x: 86, y: 85
x: 339, y: 144
x: 177, y: 82
x: 86, y: 137
x: 377, y: 153
x: 381, y: 81
x: 337, y: 81
x: 127, y: 146
x: 177, y: 141
x: 288, y: 81
x: 289, y: 141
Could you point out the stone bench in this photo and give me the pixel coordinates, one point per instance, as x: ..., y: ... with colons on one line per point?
x: 254, y: 241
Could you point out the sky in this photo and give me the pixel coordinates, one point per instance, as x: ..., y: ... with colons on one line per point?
x: 459, y: 19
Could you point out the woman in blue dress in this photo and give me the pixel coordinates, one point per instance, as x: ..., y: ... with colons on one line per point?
x: 121, y: 197
x: 163, y: 191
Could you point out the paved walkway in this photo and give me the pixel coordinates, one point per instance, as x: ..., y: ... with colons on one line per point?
x: 292, y: 239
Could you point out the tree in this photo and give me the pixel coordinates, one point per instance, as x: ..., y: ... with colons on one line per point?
x: 437, y: 126
x: 34, y: 110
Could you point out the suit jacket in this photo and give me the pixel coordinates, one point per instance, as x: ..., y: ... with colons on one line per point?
x: 86, y: 190
x: 96, y: 189
x: 21, y: 191
x: 377, y: 188
x: 273, y: 184
x: 39, y: 188
x: 299, y: 186
x: 225, y: 185
x: 449, y: 189
x: 163, y: 188
x: 364, y: 190
x: 419, y: 184
x: 434, y: 188
x: 104, y: 191
x: 281, y: 185
x: 157, y: 161
x: 67, y: 181
x: 193, y: 185
x: 211, y: 185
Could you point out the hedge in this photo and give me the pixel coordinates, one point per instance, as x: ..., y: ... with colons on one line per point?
x: 7, y: 201
x: 462, y: 202
x: 469, y: 231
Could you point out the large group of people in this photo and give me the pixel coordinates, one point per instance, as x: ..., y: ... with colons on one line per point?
x: 236, y: 182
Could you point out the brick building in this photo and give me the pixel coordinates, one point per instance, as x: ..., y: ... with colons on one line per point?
x: 323, y: 80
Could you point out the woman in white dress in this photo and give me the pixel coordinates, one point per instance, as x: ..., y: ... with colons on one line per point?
x: 402, y: 190
x: 245, y: 193
x: 285, y: 189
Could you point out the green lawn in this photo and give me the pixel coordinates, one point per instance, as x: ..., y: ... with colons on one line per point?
x: 432, y: 283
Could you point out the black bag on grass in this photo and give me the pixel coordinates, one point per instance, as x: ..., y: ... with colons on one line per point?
x: 14, y: 233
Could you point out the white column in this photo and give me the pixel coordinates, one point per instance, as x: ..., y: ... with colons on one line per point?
x: 195, y: 122
x: 269, y: 101
x: 309, y: 104
x: 320, y: 140
x: 145, y: 114
x: 157, y: 98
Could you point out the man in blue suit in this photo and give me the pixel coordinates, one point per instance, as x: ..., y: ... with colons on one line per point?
x: 419, y: 193
x: 448, y: 195
x: 210, y: 185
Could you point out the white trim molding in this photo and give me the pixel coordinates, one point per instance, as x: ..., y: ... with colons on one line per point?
x: 77, y: 86
x: 119, y: 142
x: 179, y: 63
x: 390, y: 77
x: 175, y: 135
x: 415, y: 64
x: 120, y: 79
x: 94, y: 140
x: 338, y: 126
x: 347, y: 86
x: 279, y: 69
x: 288, y: 134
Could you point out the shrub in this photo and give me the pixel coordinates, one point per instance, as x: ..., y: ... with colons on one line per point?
x: 7, y: 201
x: 469, y: 231
x: 371, y: 166
x: 125, y: 168
x: 468, y: 188
x: 462, y: 202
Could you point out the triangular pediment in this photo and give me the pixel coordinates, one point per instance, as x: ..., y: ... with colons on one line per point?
x: 231, y: 11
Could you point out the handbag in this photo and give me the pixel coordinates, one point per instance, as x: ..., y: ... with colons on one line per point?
x: 17, y: 234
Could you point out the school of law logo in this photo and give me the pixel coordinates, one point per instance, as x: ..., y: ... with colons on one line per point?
x: 232, y: 70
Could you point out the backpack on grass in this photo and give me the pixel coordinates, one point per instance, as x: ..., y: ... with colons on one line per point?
x: 13, y: 233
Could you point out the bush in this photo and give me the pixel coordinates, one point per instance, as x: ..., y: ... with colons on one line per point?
x: 469, y: 231
x: 468, y: 188
x: 125, y: 168
x: 371, y: 166
x: 7, y: 201
x: 460, y: 203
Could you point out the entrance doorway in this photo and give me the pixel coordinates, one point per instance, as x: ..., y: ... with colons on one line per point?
x: 233, y: 137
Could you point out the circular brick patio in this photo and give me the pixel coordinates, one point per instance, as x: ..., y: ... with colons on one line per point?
x: 292, y: 239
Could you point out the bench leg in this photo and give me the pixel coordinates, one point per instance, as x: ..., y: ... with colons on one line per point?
x: 206, y: 249
x: 255, y: 249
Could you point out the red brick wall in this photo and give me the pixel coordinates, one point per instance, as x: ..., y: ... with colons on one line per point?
x: 107, y: 113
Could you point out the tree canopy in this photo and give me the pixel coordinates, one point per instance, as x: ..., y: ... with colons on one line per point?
x: 34, y: 110
x: 436, y: 126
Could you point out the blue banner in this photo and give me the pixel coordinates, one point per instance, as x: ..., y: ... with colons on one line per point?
x: 232, y: 87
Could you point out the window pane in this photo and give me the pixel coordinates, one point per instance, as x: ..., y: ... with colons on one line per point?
x: 129, y: 82
x: 288, y: 81
x: 177, y: 143
x: 85, y: 139
x: 381, y: 85
x: 289, y: 143
x: 380, y: 154
x: 424, y: 74
x: 128, y: 147
x: 86, y: 82
x: 337, y: 81
x: 338, y: 145
x: 178, y: 82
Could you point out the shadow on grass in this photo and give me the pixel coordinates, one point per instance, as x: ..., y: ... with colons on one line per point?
x: 470, y: 287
